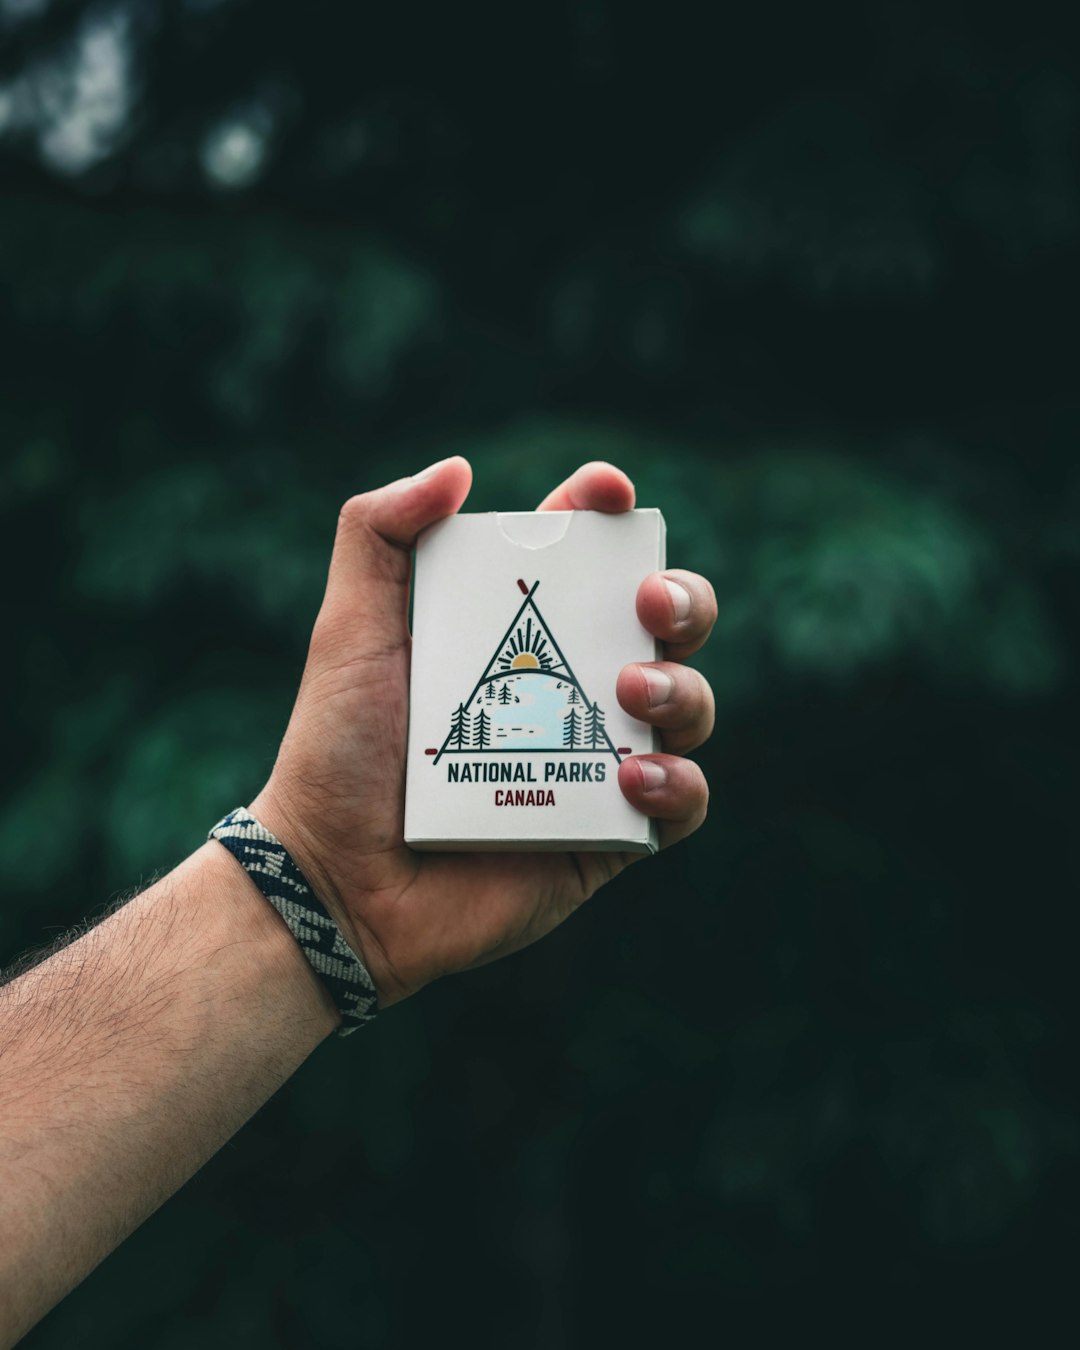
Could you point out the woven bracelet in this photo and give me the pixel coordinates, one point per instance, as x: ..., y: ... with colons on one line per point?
x: 266, y: 860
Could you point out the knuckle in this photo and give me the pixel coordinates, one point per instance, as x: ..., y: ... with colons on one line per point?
x: 353, y: 512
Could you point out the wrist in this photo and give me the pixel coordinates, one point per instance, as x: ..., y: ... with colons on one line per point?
x: 272, y: 809
x: 279, y: 815
x: 237, y: 914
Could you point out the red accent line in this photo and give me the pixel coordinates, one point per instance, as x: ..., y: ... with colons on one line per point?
x: 431, y: 750
x: 623, y: 750
x: 522, y: 587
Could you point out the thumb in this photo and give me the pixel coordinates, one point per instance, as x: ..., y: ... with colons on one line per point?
x: 367, y: 590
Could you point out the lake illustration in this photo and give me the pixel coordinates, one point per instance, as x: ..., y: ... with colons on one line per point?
x: 533, y: 716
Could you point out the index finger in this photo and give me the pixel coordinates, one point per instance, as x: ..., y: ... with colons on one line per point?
x: 594, y: 487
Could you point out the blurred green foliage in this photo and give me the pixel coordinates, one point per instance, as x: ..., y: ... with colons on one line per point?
x: 802, y: 284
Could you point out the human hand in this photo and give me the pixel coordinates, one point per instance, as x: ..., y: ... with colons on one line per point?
x: 335, y: 797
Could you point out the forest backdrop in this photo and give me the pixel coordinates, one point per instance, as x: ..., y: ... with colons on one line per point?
x: 809, y: 275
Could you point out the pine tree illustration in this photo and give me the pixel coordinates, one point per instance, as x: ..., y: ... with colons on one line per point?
x: 490, y: 690
x: 459, y: 728
x: 481, y: 733
x: 594, y: 727
x: 571, y: 729
x: 504, y: 693
x: 573, y: 696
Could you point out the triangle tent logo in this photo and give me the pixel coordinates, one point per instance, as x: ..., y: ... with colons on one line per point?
x: 527, y: 698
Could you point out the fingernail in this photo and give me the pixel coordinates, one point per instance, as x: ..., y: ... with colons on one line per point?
x: 681, y: 599
x: 654, y: 775
x: 431, y: 468
x: 658, y: 685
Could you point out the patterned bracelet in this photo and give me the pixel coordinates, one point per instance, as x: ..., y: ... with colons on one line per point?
x: 267, y: 862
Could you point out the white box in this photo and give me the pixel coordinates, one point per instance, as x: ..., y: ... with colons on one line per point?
x: 521, y: 624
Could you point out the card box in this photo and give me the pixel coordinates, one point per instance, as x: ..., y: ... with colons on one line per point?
x: 521, y: 624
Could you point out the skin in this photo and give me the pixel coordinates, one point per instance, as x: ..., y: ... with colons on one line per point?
x: 131, y: 1055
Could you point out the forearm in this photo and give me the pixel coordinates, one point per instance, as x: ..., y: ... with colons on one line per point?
x: 127, y: 1060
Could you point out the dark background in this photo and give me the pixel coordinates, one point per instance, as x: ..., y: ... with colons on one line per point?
x: 810, y: 275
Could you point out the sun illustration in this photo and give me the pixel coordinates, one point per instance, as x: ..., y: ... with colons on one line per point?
x: 526, y: 649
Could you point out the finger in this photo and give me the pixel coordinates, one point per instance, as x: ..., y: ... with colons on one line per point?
x: 674, y: 698
x: 593, y: 487
x: 672, y: 790
x: 679, y: 608
x: 367, y: 590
